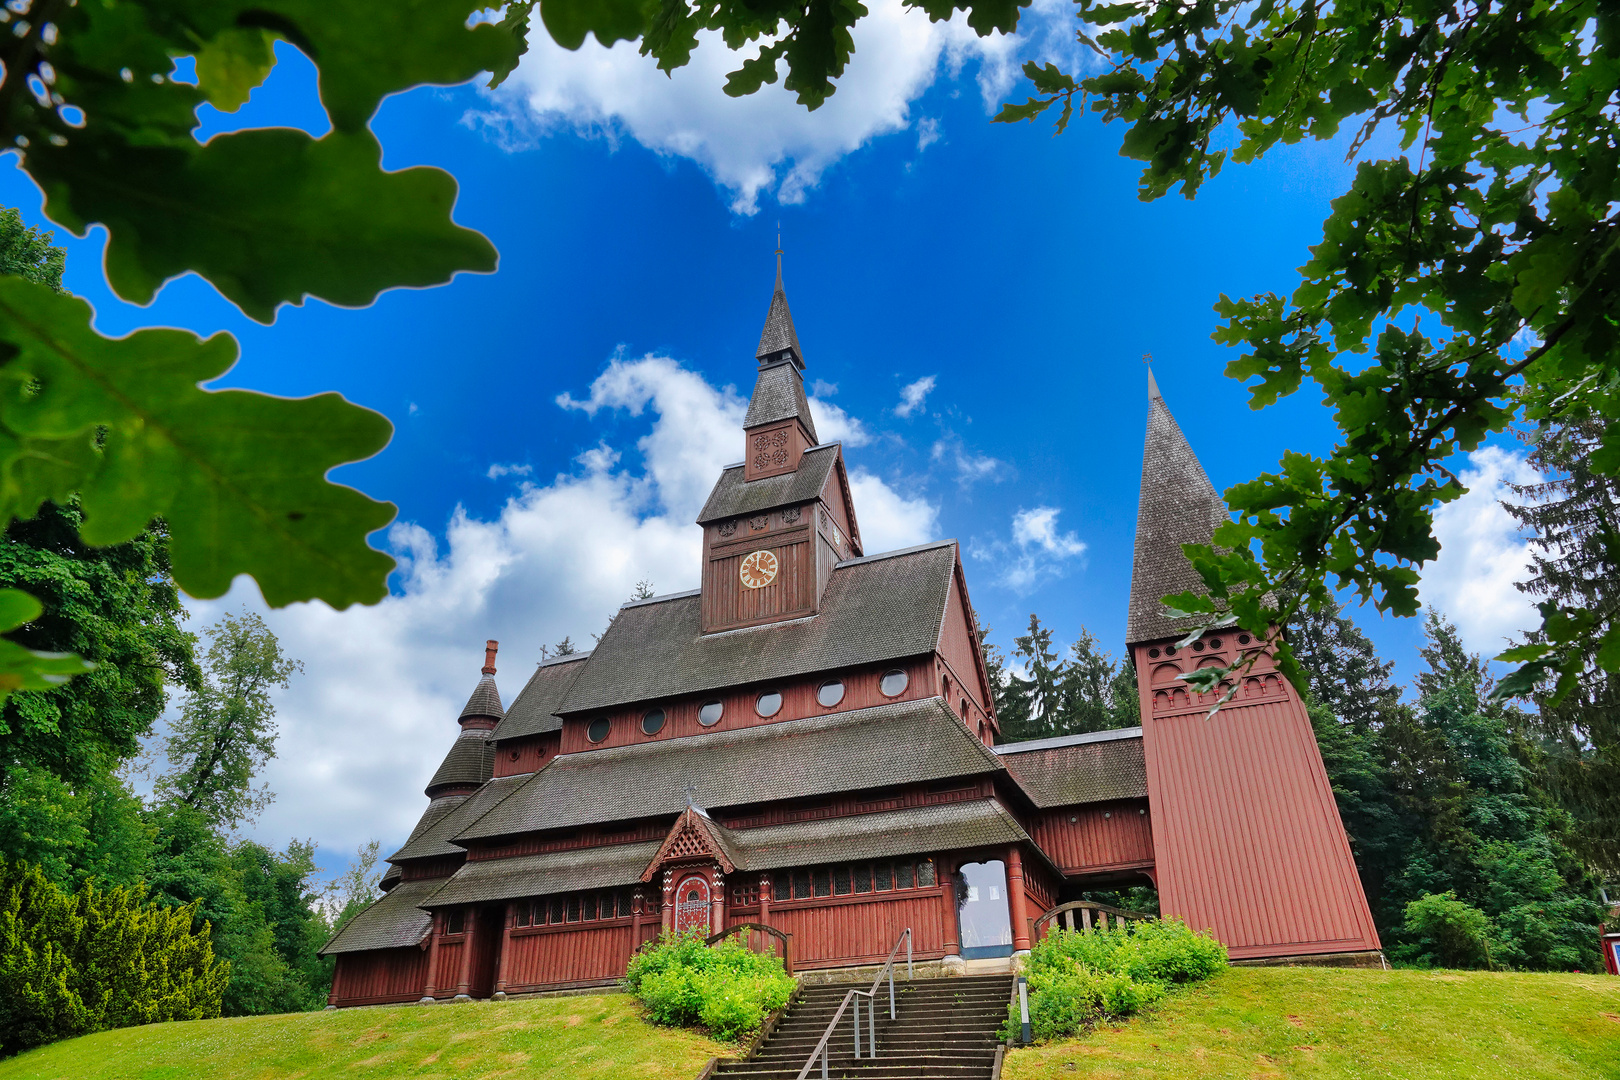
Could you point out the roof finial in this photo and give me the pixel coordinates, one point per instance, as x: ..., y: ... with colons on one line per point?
x: 691, y: 794
x: 490, y: 648
x: 778, y: 256
x: 1153, y: 386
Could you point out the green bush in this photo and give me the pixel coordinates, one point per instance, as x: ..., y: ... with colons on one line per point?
x: 72, y: 964
x: 1442, y: 931
x: 726, y: 987
x: 1080, y: 978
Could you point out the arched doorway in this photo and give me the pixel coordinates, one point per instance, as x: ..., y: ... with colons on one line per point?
x: 692, y: 905
x: 981, y: 905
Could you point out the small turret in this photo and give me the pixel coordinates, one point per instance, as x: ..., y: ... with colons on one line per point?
x: 471, y: 759
x: 778, y: 428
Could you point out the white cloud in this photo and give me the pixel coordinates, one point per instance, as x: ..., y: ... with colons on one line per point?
x: 969, y: 466
x: 764, y: 142
x: 821, y: 388
x: 912, y: 395
x: 835, y: 425
x: 1482, y: 554
x: 498, y: 470
x: 927, y: 132
x: 1036, y: 552
x: 370, y: 719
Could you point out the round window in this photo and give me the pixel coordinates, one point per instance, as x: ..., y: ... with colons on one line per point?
x: 652, y: 721
x: 710, y: 714
x: 599, y: 729
x: 894, y: 683
x: 830, y: 693
x: 769, y: 703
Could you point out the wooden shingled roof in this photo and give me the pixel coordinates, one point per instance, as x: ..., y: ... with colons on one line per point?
x: 535, y: 709
x: 1075, y: 769
x: 734, y: 496
x: 393, y: 921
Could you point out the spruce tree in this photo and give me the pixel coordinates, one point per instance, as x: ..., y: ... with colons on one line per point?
x: 1573, y: 518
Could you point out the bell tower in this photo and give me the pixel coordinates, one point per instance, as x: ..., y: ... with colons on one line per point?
x: 778, y: 521
x: 1246, y: 834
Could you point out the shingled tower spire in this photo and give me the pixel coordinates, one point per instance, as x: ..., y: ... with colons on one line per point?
x: 1240, y: 804
x: 1178, y: 505
x: 778, y: 428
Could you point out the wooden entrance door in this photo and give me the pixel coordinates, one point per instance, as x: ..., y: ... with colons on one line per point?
x: 486, y: 947
x: 692, y: 905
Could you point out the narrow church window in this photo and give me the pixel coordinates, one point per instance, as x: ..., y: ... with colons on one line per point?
x: 652, y: 721
x: 769, y: 703
x: 884, y: 881
x: 710, y: 714
x: 520, y: 916
x: 902, y: 875
x: 831, y: 693
x: 841, y: 880
x: 863, y: 878
x: 823, y: 883
x: 557, y: 909
x: 801, y: 885
x: 590, y: 906
x: 894, y: 683
x: 456, y: 923
x: 573, y: 909
x: 781, y: 886
x: 925, y: 873
x: 599, y: 729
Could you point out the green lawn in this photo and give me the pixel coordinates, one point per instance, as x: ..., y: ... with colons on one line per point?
x: 1326, y: 1024
x: 540, y: 1039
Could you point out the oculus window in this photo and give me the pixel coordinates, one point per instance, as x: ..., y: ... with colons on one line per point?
x: 599, y: 729
x: 652, y: 721
x: 894, y: 683
x: 769, y: 703
x: 830, y: 693
x: 711, y: 712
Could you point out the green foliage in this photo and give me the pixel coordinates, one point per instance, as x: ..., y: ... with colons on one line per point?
x: 1443, y: 931
x: 71, y: 964
x: 727, y: 988
x: 226, y: 730
x: 1078, y: 979
x: 1060, y: 695
x: 28, y: 253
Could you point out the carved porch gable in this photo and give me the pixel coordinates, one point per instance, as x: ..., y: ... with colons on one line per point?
x: 692, y: 837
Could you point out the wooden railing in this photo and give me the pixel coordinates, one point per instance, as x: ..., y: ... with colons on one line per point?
x: 823, y: 1050
x: 785, y: 952
x: 1082, y: 916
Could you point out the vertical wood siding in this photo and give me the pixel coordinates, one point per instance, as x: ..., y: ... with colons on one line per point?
x: 1246, y: 835
x: 381, y: 975
x: 829, y: 934
x: 728, y: 602
x: 525, y: 755
x: 957, y: 650
x: 1103, y: 836
x: 448, y: 973
x: 548, y: 958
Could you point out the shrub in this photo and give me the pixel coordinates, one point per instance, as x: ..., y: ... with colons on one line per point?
x: 72, y: 964
x: 1442, y: 930
x: 1078, y: 978
x: 726, y: 987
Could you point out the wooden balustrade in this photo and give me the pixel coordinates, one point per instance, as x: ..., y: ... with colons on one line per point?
x: 1091, y: 916
x: 785, y: 940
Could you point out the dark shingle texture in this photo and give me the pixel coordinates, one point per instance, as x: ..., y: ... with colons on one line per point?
x: 485, y: 700
x: 394, y: 921
x: 779, y: 395
x: 542, y: 875
x: 878, y: 608
x: 778, y: 333
x: 471, y: 760
x: 432, y: 839
x: 1178, y: 506
x: 906, y: 742
x: 733, y: 496
x: 535, y: 710
x: 1081, y: 772
x: 912, y: 831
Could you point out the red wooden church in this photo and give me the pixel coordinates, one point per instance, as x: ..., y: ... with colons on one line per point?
x: 808, y: 742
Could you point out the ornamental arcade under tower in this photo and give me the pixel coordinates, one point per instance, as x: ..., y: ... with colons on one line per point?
x: 808, y: 742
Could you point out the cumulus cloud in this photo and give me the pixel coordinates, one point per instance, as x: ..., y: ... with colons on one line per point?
x: 833, y: 424
x: 374, y: 712
x: 1036, y: 552
x: 1482, y: 554
x: 969, y: 466
x: 498, y: 470
x: 764, y: 142
x: 912, y: 396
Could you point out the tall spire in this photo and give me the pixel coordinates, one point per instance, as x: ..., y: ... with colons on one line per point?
x: 1178, y: 506
x: 779, y: 341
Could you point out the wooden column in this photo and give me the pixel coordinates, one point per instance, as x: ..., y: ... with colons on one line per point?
x: 764, y: 899
x: 1017, y: 902
x: 952, y: 934
x: 669, y: 900
x: 506, y: 947
x: 433, y: 958
x: 717, y: 903
x: 469, y: 932
x: 638, y: 906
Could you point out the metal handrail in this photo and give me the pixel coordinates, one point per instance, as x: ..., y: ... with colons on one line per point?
x: 887, y: 970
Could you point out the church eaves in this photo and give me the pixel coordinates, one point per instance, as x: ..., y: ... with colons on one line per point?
x: 1178, y: 506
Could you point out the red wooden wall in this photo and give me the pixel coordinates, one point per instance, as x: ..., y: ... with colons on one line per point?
x: 563, y: 957
x: 525, y: 755
x: 1097, y: 837
x: 1246, y: 836
x: 828, y: 932
x: 382, y: 975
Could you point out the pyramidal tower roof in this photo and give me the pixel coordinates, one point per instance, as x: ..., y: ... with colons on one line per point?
x: 1178, y: 506
x: 486, y: 698
x: 779, y: 389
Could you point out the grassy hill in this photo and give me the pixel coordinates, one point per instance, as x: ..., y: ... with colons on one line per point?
x: 540, y: 1039
x: 1325, y: 1024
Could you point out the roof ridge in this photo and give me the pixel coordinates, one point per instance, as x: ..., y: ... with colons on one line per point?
x: 567, y: 658
x: 859, y: 559
x: 1069, y: 740
x: 660, y: 599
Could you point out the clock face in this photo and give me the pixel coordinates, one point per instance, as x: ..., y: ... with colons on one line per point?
x: 758, y: 569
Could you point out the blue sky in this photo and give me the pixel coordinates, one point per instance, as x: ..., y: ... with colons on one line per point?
x: 555, y: 421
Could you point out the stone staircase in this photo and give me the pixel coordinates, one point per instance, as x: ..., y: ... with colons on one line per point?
x: 944, y: 1029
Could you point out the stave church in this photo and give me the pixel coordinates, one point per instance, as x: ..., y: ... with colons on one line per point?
x: 808, y: 742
